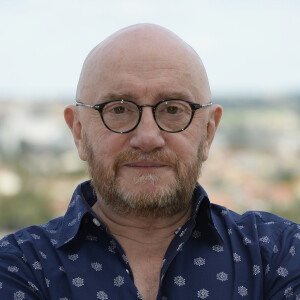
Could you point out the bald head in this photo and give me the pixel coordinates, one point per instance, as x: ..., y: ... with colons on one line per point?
x: 141, y: 49
x: 138, y: 166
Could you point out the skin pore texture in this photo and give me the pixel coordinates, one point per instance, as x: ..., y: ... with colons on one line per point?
x: 144, y: 179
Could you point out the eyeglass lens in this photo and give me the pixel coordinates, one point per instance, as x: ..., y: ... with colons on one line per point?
x: 120, y: 115
x: 172, y: 115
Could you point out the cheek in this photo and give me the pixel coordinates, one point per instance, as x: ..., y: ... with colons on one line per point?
x: 185, y: 146
x: 107, y: 146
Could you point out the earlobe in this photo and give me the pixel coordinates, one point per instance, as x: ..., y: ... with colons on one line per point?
x: 72, y: 120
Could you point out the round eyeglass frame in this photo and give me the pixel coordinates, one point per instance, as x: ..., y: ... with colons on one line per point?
x: 100, y: 107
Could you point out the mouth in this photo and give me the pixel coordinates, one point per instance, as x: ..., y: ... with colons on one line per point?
x: 145, y: 165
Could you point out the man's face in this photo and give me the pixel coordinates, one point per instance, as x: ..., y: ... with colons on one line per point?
x: 147, y: 172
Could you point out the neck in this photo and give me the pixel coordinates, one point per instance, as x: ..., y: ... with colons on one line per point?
x: 145, y: 230
x: 144, y: 240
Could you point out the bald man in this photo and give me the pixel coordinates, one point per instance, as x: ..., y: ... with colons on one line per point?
x: 142, y: 227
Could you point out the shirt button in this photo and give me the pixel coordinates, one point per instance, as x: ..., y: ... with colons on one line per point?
x: 96, y: 222
x: 127, y: 271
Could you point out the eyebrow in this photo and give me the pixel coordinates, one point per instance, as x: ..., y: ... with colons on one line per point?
x: 160, y: 96
x: 173, y: 95
x: 113, y: 96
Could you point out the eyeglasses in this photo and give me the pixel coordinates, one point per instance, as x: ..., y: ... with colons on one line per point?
x: 122, y: 116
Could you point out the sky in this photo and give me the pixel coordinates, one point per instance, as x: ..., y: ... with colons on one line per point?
x: 249, y: 47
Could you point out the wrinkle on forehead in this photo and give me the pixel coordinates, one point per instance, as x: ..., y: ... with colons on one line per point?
x: 141, y: 45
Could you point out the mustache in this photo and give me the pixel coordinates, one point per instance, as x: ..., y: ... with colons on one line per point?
x: 165, y: 157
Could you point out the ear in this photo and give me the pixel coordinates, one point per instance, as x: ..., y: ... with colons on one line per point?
x: 214, y: 119
x: 73, y: 121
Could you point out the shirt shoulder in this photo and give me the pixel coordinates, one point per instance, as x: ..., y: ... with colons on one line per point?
x: 273, y: 240
x: 21, y: 256
x: 264, y: 229
x: 30, y: 237
x: 260, y: 220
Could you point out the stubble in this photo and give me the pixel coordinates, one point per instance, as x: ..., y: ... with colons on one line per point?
x: 157, y: 202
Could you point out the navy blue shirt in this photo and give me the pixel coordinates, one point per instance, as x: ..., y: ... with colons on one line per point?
x: 217, y: 254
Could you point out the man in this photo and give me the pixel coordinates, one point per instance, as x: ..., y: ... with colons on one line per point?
x: 143, y: 228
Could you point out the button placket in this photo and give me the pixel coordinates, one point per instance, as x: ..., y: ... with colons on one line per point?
x: 96, y: 222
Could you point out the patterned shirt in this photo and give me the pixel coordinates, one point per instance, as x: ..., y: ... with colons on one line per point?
x: 217, y: 254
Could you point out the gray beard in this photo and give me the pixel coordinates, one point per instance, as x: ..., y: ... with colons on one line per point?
x: 164, y: 202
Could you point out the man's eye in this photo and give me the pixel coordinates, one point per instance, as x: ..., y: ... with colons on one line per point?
x: 119, y: 110
x: 172, y: 110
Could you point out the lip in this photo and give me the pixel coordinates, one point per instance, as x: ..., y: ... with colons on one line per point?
x: 145, y: 164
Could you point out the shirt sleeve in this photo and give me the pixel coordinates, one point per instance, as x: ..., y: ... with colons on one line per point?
x: 283, y: 271
x: 17, y: 281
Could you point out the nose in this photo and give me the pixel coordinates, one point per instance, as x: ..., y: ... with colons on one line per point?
x: 147, y: 136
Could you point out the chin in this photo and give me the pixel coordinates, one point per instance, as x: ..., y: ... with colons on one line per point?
x: 145, y: 183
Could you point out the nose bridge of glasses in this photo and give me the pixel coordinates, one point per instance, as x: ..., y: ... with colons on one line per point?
x: 147, y: 105
x: 153, y: 108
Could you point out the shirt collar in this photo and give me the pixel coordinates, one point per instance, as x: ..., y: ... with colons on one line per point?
x: 84, y: 197
x: 203, y: 215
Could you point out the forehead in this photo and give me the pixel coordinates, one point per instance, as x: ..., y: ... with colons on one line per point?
x: 143, y: 67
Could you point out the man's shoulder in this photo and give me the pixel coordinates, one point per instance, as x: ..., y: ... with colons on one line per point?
x: 251, y: 217
x: 30, y: 237
x: 265, y: 228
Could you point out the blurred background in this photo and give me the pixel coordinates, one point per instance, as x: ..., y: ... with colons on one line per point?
x: 251, y: 52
